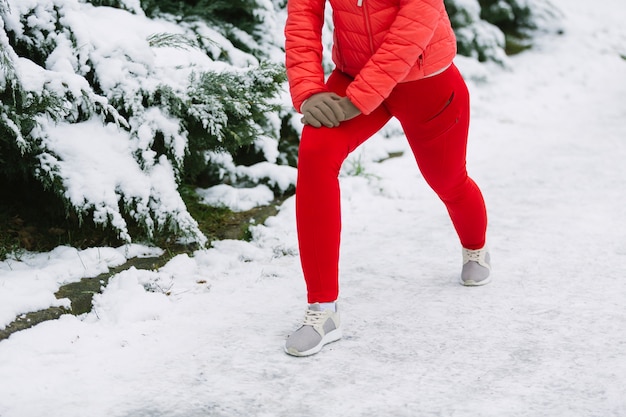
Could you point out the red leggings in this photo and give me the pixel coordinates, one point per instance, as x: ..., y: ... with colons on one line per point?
x: 434, y: 113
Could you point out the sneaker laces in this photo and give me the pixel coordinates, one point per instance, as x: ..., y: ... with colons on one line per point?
x: 472, y: 255
x: 476, y: 255
x: 314, y: 318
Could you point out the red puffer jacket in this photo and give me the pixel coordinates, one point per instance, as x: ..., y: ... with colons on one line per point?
x: 378, y: 42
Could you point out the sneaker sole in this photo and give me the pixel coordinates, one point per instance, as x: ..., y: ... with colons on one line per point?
x: 472, y: 283
x: 330, y: 337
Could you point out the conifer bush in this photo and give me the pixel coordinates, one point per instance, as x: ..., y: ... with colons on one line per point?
x: 489, y: 30
x: 57, y: 75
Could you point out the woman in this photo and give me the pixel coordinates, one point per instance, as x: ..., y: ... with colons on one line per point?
x: 393, y: 58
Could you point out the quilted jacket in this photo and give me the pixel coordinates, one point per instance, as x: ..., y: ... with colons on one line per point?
x: 379, y: 43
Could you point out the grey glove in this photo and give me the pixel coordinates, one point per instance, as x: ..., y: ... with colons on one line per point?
x: 350, y: 111
x: 322, y: 109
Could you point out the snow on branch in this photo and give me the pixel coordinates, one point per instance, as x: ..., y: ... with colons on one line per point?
x: 151, y: 96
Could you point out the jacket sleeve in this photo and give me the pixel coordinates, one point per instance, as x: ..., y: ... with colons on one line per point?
x: 408, y: 36
x: 303, y: 49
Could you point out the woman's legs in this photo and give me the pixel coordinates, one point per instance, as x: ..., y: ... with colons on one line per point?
x: 434, y: 113
x: 318, y: 213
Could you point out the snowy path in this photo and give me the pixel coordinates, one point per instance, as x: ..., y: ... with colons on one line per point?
x: 546, y: 338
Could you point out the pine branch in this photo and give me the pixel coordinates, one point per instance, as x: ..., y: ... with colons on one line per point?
x: 172, y: 40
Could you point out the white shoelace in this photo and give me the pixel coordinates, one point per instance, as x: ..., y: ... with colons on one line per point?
x: 476, y: 255
x: 472, y: 255
x: 314, y: 318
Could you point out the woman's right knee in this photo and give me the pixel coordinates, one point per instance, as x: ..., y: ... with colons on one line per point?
x: 321, y: 147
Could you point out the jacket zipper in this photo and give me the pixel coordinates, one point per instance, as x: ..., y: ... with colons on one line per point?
x: 368, y: 26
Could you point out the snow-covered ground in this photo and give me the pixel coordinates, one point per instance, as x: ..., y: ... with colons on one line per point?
x: 546, y: 338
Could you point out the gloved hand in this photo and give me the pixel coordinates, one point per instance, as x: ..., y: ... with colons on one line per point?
x: 322, y: 109
x: 349, y: 110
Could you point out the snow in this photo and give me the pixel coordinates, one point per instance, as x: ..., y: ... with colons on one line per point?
x: 236, y: 199
x: 203, y: 335
x: 281, y: 177
x: 29, y: 283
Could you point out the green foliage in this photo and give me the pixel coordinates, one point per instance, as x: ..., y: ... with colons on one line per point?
x: 225, y: 110
x: 221, y: 111
x: 12, y: 119
x: 171, y: 40
x: 37, y: 41
x: 487, y: 29
x: 512, y: 16
x: 238, y: 13
x: 459, y: 16
x: 21, y: 113
x: 475, y: 37
x: 232, y: 107
x: 289, y: 143
x: 230, y: 17
x: 235, y: 19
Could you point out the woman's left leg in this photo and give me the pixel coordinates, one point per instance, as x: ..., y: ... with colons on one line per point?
x: 434, y: 113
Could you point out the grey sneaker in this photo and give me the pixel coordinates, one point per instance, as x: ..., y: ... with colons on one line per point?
x: 476, y: 267
x: 319, y: 328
